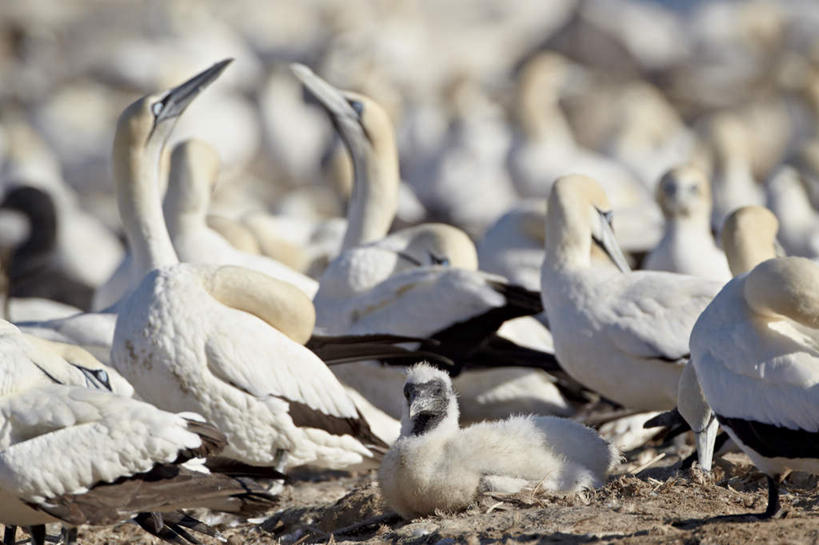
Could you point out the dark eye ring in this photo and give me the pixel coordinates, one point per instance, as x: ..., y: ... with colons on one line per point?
x: 357, y: 106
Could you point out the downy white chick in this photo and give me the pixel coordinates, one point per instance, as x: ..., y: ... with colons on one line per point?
x: 435, y: 465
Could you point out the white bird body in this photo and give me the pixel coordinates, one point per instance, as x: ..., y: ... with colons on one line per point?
x: 613, y: 332
x: 513, y: 245
x: 435, y: 465
x: 755, y: 351
x: 63, y: 433
x: 798, y: 221
x: 687, y: 246
x: 80, y: 234
x: 242, y: 374
x: 358, y: 269
x: 416, y: 302
x: 378, y: 274
x: 61, y: 423
x: 224, y: 340
x: 610, y: 329
x: 93, y: 331
x: 688, y: 249
x: 38, y: 309
x: 489, y: 394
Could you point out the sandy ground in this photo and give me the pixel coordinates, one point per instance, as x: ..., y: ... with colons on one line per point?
x: 658, y: 504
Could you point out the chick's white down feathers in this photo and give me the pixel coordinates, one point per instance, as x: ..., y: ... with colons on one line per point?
x: 445, y: 467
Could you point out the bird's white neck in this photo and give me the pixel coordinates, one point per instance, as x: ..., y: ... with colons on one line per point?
x: 374, y: 198
x: 136, y: 171
x: 696, y: 224
x: 568, y: 236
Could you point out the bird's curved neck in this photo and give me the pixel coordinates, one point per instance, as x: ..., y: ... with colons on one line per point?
x: 541, y: 118
x: 42, y: 238
x: 788, y: 199
x: 568, y: 236
x: 137, y: 173
x: 695, y: 223
x: 784, y: 287
x: 374, y: 198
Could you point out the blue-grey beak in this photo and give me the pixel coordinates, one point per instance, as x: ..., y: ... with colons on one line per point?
x: 177, y: 99
x: 605, y: 238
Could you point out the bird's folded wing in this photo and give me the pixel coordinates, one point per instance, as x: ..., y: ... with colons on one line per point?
x: 60, y: 440
x: 654, y: 319
x: 262, y: 362
x: 164, y: 488
x: 421, y: 302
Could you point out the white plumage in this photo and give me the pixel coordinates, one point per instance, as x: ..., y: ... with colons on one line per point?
x: 184, y: 349
x: 799, y: 222
x: 687, y: 246
x: 67, y: 444
x: 194, y: 168
x: 49, y: 432
x: 435, y: 465
x: 223, y: 341
x: 613, y: 332
x: 755, y: 350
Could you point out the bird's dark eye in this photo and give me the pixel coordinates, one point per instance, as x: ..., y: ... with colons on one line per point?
x: 436, y: 260
x: 406, y: 391
x: 358, y: 106
x: 102, y: 376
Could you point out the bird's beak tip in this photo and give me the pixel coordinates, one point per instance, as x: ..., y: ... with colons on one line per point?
x: 300, y: 70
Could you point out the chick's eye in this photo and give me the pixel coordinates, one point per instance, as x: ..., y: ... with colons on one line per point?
x: 406, y: 392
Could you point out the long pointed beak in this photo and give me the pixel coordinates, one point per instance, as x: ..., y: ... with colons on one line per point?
x: 343, y: 115
x: 609, y: 244
x: 705, y: 444
x: 183, y: 94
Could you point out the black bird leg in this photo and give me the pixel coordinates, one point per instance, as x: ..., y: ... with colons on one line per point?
x: 38, y: 534
x: 9, y: 535
x: 774, y: 509
x: 69, y: 536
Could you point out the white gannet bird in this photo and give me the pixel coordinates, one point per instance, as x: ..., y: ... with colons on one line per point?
x: 749, y: 237
x: 194, y: 169
x: 787, y: 197
x: 368, y: 255
x: 548, y: 150
x: 614, y: 332
x: 754, y: 349
x: 435, y: 465
x: 687, y: 246
x: 136, y: 187
x: 52, y: 423
x: 733, y: 183
x: 76, y: 456
x: 224, y: 341
x: 227, y: 343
